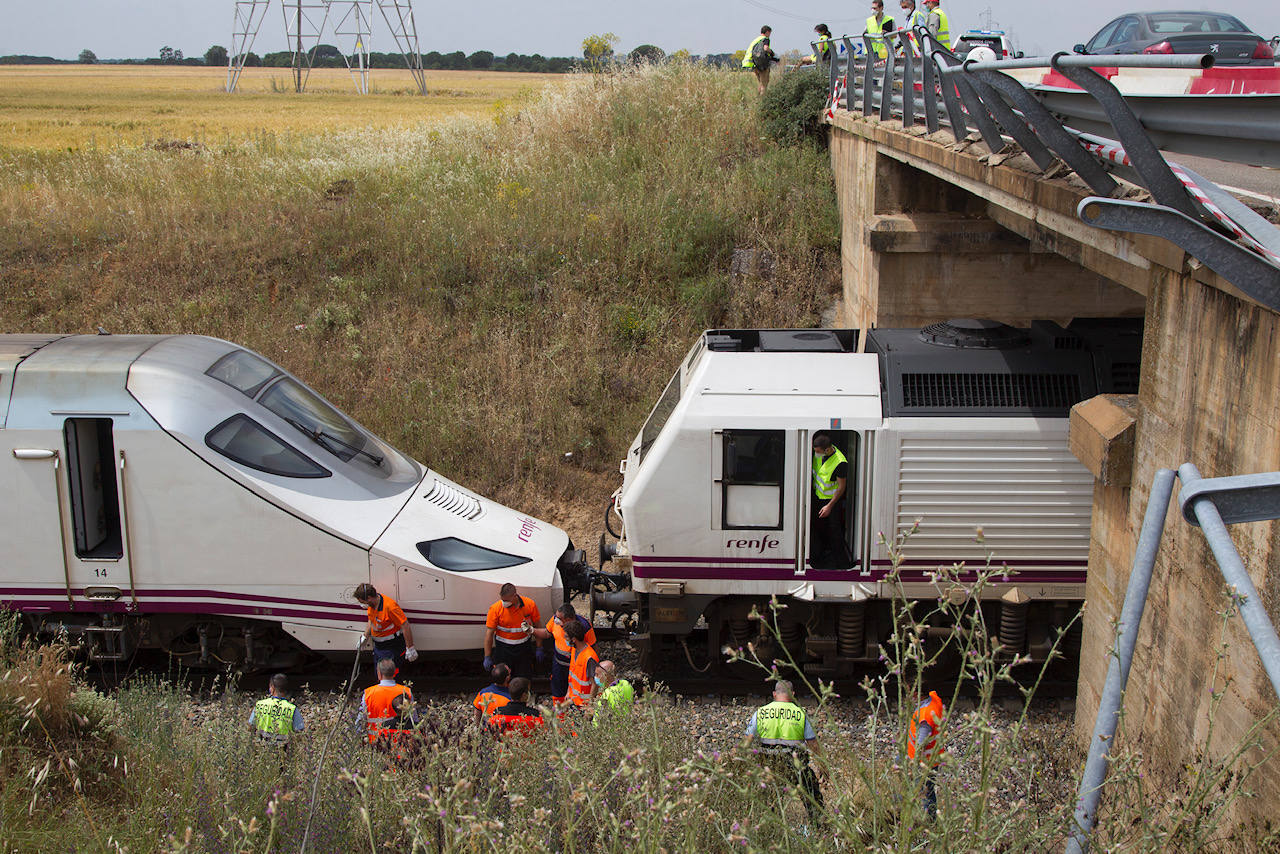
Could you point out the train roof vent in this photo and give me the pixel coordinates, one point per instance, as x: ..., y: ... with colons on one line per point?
x: 799, y: 341
x: 990, y: 391
x: 969, y: 333
x: 447, y: 498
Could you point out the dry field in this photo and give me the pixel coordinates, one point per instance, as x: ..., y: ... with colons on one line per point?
x: 81, y: 106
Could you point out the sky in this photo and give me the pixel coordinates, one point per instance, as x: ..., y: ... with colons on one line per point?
x: 139, y: 28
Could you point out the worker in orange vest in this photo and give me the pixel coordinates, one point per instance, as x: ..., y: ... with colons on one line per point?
x: 509, y: 629
x: 564, y: 615
x: 923, y: 746
x: 517, y: 717
x: 494, y: 696
x: 377, y: 710
x: 582, y: 665
x: 388, y: 627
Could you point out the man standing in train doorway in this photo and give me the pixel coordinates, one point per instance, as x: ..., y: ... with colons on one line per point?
x: 827, y: 546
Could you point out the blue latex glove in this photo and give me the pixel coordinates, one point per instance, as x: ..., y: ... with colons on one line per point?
x: 540, y: 654
x: 488, y: 664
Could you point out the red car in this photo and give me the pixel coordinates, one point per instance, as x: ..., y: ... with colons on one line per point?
x: 1223, y: 36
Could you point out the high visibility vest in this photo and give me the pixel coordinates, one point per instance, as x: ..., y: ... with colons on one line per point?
x: 513, y: 625
x: 523, y: 720
x: 386, y: 619
x: 824, y: 481
x: 579, y: 682
x: 824, y: 49
x: 875, y: 28
x: 562, y: 642
x: 746, y: 60
x: 930, y: 712
x: 274, y: 718
x: 915, y: 19
x: 618, y: 698
x: 377, y: 706
x: 781, y: 725
x: 943, y: 35
x: 491, y: 699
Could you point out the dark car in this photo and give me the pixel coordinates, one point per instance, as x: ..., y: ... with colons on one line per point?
x: 1223, y: 36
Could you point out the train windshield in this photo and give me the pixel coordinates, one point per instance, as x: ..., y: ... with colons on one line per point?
x: 658, y: 418
x: 299, y: 407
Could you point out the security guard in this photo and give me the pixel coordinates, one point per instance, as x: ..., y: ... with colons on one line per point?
x: 274, y: 718
x: 377, y: 709
x: 495, y: 696
x: 560, y: 661
x: 582, y: 666
x: 828, y: 549
x: 879, y: 23
x: 938, y: 24
x: 388, y: 627
x: 510, y: 624
x: 615, y: 697
x: 922, y: 746
x: 784, y: 730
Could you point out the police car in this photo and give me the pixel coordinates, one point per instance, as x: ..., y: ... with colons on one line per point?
x: 996, y: 40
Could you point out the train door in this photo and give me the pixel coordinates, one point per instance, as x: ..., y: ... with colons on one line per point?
x: 94, y: 513
x: 834, y: 541
x: 753, y: 497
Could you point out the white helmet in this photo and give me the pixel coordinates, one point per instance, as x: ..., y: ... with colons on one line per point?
x: 982, y: 53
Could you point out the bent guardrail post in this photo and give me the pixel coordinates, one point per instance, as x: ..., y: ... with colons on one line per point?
x: 948, y: 64
x: 1248, y: 271
x: 1109, y: 705
x: 833, y: 68
x: 886, y: 81
x: 867, y: 82
x: 908, y: 80
x: 1013, y: 124
x: 928, y: 89
x: 951, y: 99
x: 1215, y: 503
x: 1048, y: 129
x: 1143, y: 154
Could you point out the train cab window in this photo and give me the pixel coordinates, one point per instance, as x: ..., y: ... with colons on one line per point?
x: 658, y: 417
x: 243, y: 371
x: 91, y: 476
x: 460, y: 556
x: 751, y: 483
x: 244, y: 440
x: 307, y: 412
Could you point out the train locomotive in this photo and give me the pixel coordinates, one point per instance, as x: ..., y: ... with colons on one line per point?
x: 949, y: 429
x: 185, y: 494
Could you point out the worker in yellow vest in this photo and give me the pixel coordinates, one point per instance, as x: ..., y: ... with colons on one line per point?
x: 937, y: 23
x: 275, y: 718
x: 923, y: 746
x: 786, y: 737
x: 827, y: 546
x: 760, y: 57
x: 879, y: 23
x: 910, y: 19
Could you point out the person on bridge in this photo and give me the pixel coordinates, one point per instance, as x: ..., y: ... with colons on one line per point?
x: 937, y: 23
x: 510, y: 622
x: 583, y: 662
x: 614, y: 697
x: 760, y: 57
x: 275, y: 718
x: 517, y: 717
x: 560, y: 660
x: 376, y: 709
x: 389, y: 629
x: 879, y: 23
x: 494, y: 696
x: 923, y: 736
x: 828, y: 549
x: 912, y: 18
x: 786, y: 736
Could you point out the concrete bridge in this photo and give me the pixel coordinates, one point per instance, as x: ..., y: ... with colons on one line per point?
x: 933, y: 229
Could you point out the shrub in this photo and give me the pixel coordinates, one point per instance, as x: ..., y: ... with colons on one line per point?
x: 791, y: 109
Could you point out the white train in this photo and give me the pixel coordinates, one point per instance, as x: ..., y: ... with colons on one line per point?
x: 961, y: 425
x: 182, y: 493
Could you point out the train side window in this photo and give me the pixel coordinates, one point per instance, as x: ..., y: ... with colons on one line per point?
x: 244, y: 440
x: 91, y: 476
x: 243, y: 371
x: 460, y: 556
x: 751, y: 483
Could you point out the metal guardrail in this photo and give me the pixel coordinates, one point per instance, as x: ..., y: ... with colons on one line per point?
x: 1212, y: 504
x: 1188, y: 210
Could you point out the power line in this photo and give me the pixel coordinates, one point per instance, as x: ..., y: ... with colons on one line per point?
x: 795, y: 17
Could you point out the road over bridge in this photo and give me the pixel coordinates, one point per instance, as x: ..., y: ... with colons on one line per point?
x: 934, y: 229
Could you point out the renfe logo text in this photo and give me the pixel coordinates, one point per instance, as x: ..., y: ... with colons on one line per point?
x: 757, y: 545
x: 527, y: 527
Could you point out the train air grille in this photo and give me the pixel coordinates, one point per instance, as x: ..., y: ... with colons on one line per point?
x: 1124, y: 377
x: 447, y: 498
x: 990, y: 391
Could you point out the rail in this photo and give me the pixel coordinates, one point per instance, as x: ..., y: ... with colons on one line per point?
x: 1212, y: 504
x: 1187, y: 210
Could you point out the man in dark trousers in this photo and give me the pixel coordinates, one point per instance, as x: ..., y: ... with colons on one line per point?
x: 786, y: 737
x: 827, y: 546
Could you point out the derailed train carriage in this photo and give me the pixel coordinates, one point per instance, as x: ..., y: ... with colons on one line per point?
x: 182, y: 493
x: 959, y: 426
